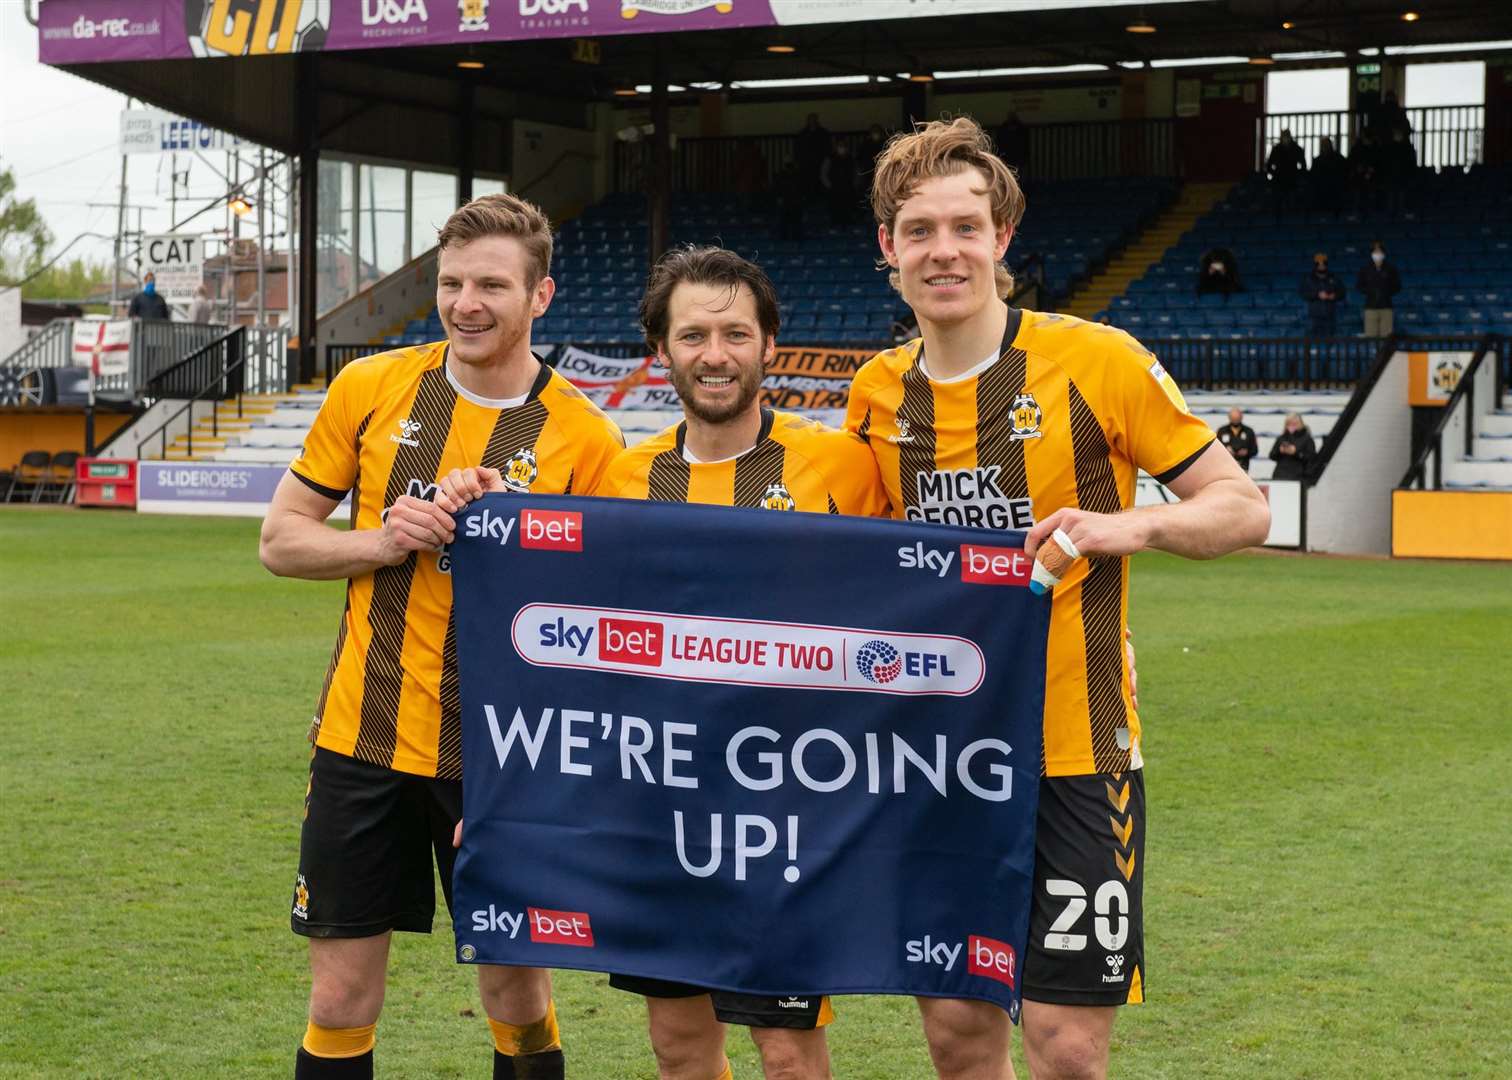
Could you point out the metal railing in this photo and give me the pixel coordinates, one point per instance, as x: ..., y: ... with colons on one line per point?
x: 51, y: 347
x: 156, y: 346
x: 1443, y: 135
x: 1433, y: 446
x: 1101, y: 148
x: 204, y: 368
x: 1305, y: 363
x: 224, y: 364
x: 338, y: 356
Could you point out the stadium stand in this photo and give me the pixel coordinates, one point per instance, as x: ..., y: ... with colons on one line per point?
x: 1451, y: 248
x: 831, y: 288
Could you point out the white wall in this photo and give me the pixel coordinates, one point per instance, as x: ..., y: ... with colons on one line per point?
x: 406, y: 294
x: 1349, y: 509
x: 12, y: 333
x: 555, y: 167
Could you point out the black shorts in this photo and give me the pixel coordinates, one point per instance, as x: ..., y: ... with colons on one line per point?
x: 802, y: 1012
x: 1086, y: 926
x: 366, y: 846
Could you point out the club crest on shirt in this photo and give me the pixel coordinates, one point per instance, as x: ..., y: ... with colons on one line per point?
x: 520, y: 471
x: 1026, y: 417
x: 777, y: 497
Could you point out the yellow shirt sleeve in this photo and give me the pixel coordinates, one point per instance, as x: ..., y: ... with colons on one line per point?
x: 597, y: 457
x: 1150, y: 416
x: 859, y: 399
x: 328, y: 460
x: 853, y: 477
x: 614, y: 476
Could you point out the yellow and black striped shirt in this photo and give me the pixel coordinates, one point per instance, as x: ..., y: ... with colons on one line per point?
x: 796, y: 464
x: 1065, y: 416
x: 392, y: 425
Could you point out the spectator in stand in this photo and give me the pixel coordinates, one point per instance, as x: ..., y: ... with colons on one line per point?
x: 147, y: 304
x: 838, y: 176
x: 1219, y: 273
x: 1330, y: 178
x: 1239, y: 439
x: 1013, y: 143
x: 1322, y: 290
x: 201, y: 308
x: 813, y: 145
x: 1294, y: 451
x: 1389, y: 117
x: 1285, y: 168
x: 1378, y: 282
x: 1398, y: 169
x: 1365, y: 171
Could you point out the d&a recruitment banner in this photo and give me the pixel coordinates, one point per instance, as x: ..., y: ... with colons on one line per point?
x: 776, y: 753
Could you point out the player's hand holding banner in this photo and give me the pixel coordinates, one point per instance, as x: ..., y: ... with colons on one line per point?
x: 768, y: 752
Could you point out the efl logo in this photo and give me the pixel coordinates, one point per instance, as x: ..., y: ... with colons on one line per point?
x: 552, y: 530
x: 629, y: 641
x: 560, y: 927
x: 995, y: 565
x: 989, y: 957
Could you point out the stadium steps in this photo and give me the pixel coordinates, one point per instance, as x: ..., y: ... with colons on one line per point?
x: 1498, y: 423
x: 1145, y: 250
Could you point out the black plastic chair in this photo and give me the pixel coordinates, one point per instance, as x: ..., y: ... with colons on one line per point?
x: 60, y: 477
x: 29, y: 476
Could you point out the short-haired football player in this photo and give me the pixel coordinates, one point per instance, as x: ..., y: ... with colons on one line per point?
x: 1013, y: 419
x: 711, y: 317
x: 385, y: 788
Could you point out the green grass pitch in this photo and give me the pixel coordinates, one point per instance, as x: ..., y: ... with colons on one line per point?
x: 1329, y: 770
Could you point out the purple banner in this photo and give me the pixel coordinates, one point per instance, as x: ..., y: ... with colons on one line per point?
x: 86, y: 31
x: 82, y: 31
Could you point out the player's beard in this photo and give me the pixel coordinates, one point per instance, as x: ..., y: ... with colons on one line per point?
x: 685, y: 382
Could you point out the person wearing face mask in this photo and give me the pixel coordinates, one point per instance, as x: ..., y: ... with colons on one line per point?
x: 149, y: 304
x: 1238, y: 438
x: 1294, y: 451
x: 1219, y: 273
x: 1322, y: 290
x: 1378, y: 282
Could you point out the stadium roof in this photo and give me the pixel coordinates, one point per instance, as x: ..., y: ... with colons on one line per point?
x: 368, y: 94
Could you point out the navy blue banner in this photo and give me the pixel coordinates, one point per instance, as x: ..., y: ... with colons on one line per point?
x: 769, y: 752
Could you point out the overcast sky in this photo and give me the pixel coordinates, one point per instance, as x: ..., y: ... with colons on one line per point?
x: 58, y: 133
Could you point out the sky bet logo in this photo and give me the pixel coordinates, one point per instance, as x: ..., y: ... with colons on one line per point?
x: 543, y: 530
x: 980, y: 565
x: 985, y: 956
x: 546, y: 926
x: 624, y: 641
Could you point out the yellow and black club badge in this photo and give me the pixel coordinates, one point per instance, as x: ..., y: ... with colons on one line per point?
x: 1026, y: 418
x: 521, y: 470
x: 777, y: 497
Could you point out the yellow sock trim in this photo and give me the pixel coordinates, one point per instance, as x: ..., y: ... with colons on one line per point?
x: 516, y: 1040
x: 339, y: 1042
x: 826, y: 1012
x: 728, y: 1073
